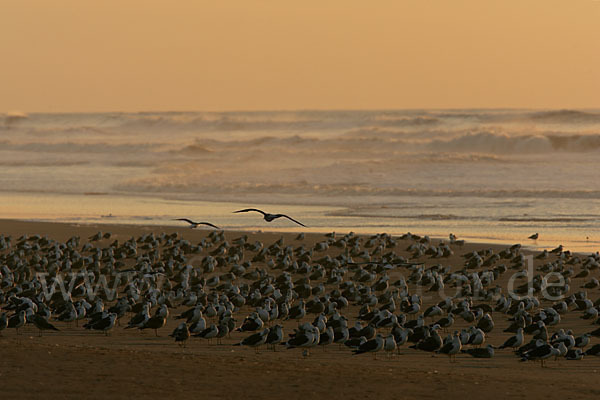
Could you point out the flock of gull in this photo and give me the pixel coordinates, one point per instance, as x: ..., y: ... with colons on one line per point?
x: 356, y: 293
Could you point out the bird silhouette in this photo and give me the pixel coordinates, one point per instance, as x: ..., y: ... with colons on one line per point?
x: 534, y: 236
x: 195, y: 224
x: 270, y: 217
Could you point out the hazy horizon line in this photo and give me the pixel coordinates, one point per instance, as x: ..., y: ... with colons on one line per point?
x: 281, y: 110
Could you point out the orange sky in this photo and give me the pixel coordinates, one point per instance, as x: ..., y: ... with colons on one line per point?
x: 130, y: 55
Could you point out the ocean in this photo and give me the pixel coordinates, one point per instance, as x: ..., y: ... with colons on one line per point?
x: 493, y: 176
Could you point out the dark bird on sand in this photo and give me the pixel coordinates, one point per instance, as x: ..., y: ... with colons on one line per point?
x: 104, y: 324
x: 269, y: 217
x: 42, y: 324
x: 481, y: 352
x: 255, y: 340
x: 156, y: 322
x: 17, y: 320
x: 181, y: 334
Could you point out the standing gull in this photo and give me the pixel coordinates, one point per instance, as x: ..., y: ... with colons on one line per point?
x: 42, y: 324
x: 270, y: 217
x: 255, y: 340
x: 3, y: 321
x: 104, y: 324
x: 181, y: 334
x: 514, y: 341
x: 155, y: 323
x: 275, y: 336
x: 452, y: 347
x: 371, y: 346
x: 17, y: 320
x: 540, y: 354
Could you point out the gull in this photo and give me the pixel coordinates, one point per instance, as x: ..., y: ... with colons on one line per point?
x: 481, y: 352
x: 155, y: 323
x: 452, y: 347
x: 341, y: 335
x: 574, y: 354
x: 583, y: 340
x: 198, y: 326
x: 297, y: 312
x: 251, y: 323
x: 304, y: 339
x: 208, y: 333
x: 3, y: 321
x: 275, y: 336
x: 593, y: 351
x: 195, y: 224
x: 255, y: 340
x: 105, y: 324
x: 326, y: 338
x: 270, y: 217
x: 540, y: 354
x: 138, y: 320
x: 477, y: 337
x: 433, y: 311
x: 181, y: 334
x: 486, y: 324
x: 371, y: 346
x: 42, y: 324
x: 430, y: 343
x: 389, y: 344
x: 223, y: 330
x: 192, y: 315
x: 17, y: 320
x: 69, y: 314
x: 514, y: 341
x: 446, y: 322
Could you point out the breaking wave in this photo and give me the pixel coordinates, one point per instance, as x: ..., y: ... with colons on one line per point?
x: 494, y: 143
x: 565, y: 116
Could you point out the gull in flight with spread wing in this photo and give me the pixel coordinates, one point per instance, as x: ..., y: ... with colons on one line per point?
x: 270, y: 217
x: 195, y: 224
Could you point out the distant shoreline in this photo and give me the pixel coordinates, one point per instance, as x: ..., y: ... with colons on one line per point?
x: 65, y: 230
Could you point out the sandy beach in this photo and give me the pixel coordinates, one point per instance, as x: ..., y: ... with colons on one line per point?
x: 75, y: 361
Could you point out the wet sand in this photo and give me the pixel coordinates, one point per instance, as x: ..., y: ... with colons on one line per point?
x: 75, y: 363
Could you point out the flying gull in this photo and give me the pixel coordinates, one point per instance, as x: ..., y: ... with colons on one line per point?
x: 270, y: 217
x: 195, y: 224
